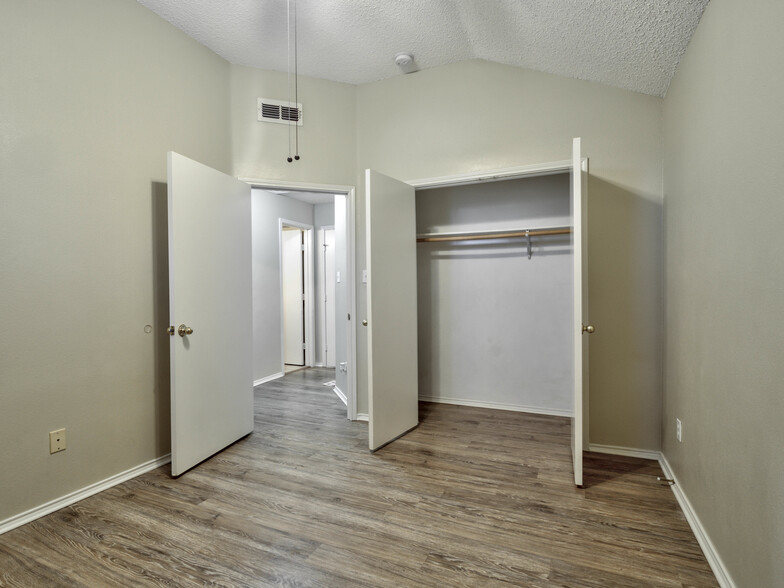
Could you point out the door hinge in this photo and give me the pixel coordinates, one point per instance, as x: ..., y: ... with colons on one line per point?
x: 349, y: 316
x: 303, y: 247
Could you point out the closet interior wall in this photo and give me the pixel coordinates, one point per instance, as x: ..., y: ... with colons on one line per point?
x: 495, y: 327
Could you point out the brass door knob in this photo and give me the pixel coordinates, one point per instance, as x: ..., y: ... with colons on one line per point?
x: 182, y: 330
x: 170, y: 329
x: 588, y: 329
x: 364, y: 323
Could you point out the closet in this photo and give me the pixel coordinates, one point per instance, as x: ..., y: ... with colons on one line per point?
x: 493, y: 313
x: 495, y: 294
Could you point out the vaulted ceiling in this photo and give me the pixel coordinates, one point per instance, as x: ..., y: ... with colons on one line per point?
x: 631, y: 44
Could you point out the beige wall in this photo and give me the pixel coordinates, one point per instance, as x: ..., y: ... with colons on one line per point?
x: 478, y: 115
x: 93, y: 93
x: 725, y: 284
x: 327, y: 137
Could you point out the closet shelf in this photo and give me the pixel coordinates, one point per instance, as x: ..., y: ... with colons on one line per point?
x: 499, y: 234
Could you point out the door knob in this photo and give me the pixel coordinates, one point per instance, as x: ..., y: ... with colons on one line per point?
x: 588, y: 329
x: 364, y: 323
x: 182, y: 330
x: 170, y: 330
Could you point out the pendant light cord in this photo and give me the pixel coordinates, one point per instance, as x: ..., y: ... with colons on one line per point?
x: 289, y: 115
x: 288, y: 69
x: 296, y: 87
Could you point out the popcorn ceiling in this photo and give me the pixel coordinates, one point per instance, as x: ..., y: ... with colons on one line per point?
x: 631, y: 44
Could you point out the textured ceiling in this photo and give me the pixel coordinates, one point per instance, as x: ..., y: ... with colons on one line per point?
x: 632, y: 44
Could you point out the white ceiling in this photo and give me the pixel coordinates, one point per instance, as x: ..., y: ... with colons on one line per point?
x: 631, y: 44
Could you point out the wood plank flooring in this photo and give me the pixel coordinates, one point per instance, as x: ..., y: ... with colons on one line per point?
x: 472, y: 497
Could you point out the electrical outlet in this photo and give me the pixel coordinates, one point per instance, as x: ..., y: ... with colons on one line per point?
x: 57, y: 441
x: 678, y: 427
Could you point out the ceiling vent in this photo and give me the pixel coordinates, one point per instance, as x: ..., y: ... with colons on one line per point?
x: 279, y: 111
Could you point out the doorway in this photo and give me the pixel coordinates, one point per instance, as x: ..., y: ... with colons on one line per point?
x: 320, y: 218
x: 296, y: 295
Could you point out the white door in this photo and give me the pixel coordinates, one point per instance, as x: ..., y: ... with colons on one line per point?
x: 579, y: 242
x: 329, y: 297
x: 210, y: 292
x: 293, y: 301
x: 393, y: 399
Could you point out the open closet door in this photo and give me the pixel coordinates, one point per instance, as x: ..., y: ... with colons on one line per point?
x: 393, y: 396
x: 579, y: 218
x: 210, y: 305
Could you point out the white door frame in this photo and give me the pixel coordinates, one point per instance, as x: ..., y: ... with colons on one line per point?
x: 509, y: 173
x: 309, y: 318
x: 323, y: 287
x: 350, y: 193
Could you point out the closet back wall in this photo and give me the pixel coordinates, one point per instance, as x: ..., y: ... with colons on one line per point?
x: 495, y: 326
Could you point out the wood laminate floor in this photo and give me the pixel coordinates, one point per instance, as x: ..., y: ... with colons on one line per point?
x: 472, y: 497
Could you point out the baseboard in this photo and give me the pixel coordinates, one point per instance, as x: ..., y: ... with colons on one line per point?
x: 69, y: 499
x: 497, y: 406
x: 362, y: 417
x: 626, y: 451
x: 318, y: 364
x: 268, y: 379
x: 340, y: 394
x: 714, y: 560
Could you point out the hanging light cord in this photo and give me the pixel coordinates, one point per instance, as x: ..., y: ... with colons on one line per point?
x: 288, y: 69
x: 289, y: 115
x: 296, y: 88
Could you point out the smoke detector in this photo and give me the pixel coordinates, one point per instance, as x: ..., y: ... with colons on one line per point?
x: 404, y: 59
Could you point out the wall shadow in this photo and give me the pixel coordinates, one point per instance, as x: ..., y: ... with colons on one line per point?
x: 160, y: 262
x: 625, y: 305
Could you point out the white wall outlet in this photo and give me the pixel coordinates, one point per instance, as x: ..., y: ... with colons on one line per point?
x: 57, y: 441
x: 678, y: 429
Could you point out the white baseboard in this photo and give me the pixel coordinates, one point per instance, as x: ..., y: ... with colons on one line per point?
x: 69, y: 499
x: 340, y: 394
x: 497, y: 406
x: 627, y: 451
x: 362, y: 417
x: 714, y: 560
x: 268, y: 379
x: 318, y: 364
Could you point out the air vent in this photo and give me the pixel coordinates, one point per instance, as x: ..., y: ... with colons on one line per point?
x: 279, y: 111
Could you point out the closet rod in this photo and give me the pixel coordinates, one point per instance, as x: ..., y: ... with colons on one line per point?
x: 434, y: 237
